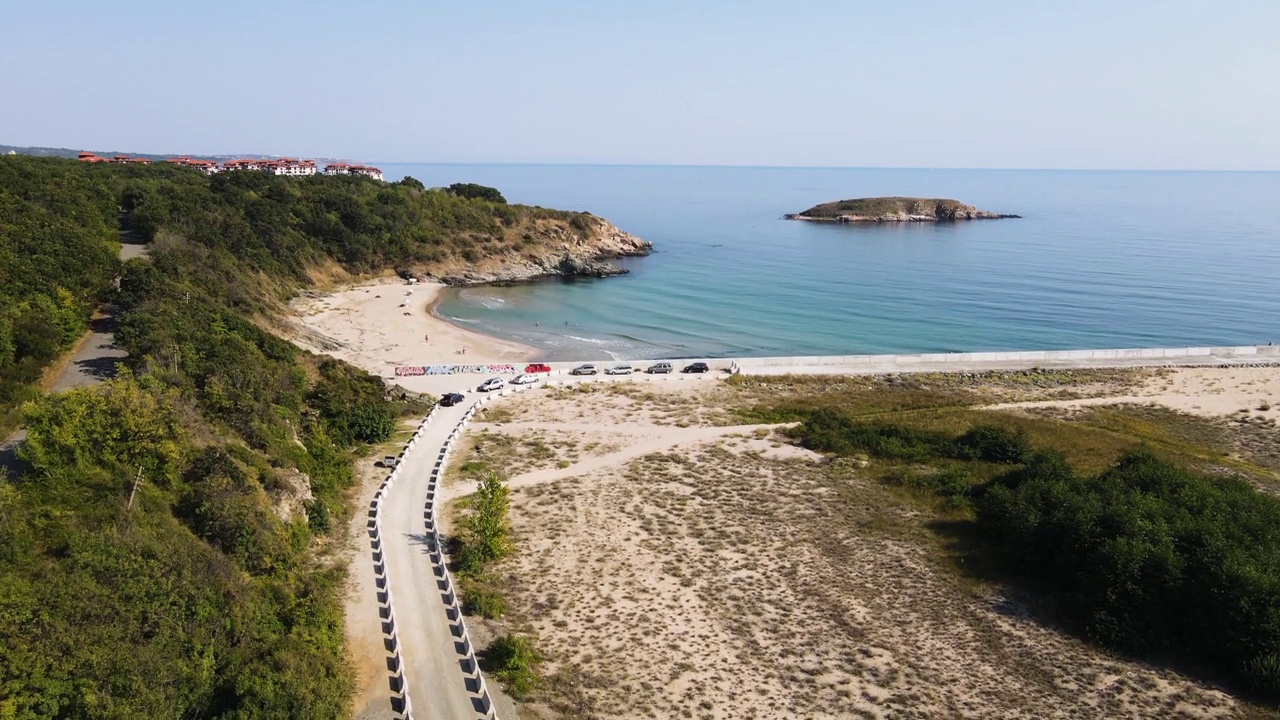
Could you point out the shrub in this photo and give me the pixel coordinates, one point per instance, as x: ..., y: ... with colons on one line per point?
x: 830, y: 431
x: 513, y: 659
x: 951, y: 485
x: 480, y: 599
x: 473, y: 191
x: 318, y: 518
x: 993, y: 443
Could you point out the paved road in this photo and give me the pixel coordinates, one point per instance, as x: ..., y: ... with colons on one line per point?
x: 434, y: 671
x: 93, y: 361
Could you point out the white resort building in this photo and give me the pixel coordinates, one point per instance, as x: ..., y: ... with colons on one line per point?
x: 341, y: 168
x: 291, y: 167
x: 242, y: 165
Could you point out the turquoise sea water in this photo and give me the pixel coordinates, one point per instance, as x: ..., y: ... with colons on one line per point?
x: 1100, y: 259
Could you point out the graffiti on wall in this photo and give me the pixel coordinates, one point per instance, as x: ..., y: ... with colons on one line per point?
x: 414, y: 370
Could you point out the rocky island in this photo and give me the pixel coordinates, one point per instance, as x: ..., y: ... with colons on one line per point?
x: 894, y: 209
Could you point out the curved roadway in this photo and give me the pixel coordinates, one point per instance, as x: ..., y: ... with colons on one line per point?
x: 435, y: 664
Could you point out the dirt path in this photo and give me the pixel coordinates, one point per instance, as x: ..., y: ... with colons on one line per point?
x: 646, y: 440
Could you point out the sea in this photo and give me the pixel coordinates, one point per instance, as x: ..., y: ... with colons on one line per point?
x: 1099, y: 259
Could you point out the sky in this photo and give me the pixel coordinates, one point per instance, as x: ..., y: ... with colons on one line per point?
x: 1132, y: 84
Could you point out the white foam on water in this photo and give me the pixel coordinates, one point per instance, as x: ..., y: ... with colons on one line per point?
x: 591, y: 341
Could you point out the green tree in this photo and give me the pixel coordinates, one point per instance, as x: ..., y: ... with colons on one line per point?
x: 477, y: 192
x: 412, y: 183
x: 485, y: 529
x: 119, y: 426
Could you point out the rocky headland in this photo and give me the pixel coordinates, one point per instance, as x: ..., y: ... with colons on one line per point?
x: 579, y: 245
x: 894, y: 209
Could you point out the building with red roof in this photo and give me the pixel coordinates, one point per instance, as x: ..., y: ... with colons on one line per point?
x: 341, y: 168
x: 204, y: 166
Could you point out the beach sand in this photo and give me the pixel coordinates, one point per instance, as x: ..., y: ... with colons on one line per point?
x: 381, y: 324
x: 1208, y: 392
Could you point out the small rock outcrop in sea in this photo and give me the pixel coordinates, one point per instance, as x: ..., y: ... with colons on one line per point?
x: 549, y: 248
x: 894, y: 209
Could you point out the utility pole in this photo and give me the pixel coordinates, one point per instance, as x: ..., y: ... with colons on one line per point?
x: 175, y: 358
x: 134, y: 491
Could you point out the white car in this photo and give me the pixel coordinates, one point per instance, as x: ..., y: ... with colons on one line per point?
x: 491, y: 384
x: 524, y: 379
x: 620, y: 369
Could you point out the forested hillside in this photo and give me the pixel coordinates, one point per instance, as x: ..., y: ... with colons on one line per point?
x: 160, y: 556
x: 58, y: 254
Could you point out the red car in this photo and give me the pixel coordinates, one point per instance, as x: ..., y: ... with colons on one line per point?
x: 537, y: 368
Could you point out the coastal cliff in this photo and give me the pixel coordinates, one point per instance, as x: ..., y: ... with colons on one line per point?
x: 894, y: 209
x: 563, y: 244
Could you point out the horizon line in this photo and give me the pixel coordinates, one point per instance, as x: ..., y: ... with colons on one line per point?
x: 567, y: 163
x: 819, y: 167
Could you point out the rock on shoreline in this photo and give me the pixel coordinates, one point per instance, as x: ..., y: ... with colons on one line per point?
x: 894, y: 209
x: 550, y: 249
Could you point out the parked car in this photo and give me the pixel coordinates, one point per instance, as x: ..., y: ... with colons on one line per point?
x: 491, y: 384
x: 697, y: 367
x: 620, y: 369
x: 537, y: 368
x: 524, y: 379
x: 658, y: 368
x: 585, y: 369
x: 388, y: 461
x: 451, y: 399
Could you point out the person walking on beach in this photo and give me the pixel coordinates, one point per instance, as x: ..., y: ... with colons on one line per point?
x: 537, y: 323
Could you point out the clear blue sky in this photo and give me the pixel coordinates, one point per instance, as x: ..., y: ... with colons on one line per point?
x: 985, y: 83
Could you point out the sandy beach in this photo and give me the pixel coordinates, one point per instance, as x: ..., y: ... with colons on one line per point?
x: 385, y: 323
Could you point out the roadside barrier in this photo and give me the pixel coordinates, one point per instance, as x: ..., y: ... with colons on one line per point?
x: 401, y: 703
x: 473, y: 677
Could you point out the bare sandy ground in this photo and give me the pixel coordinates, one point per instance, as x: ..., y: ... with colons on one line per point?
x: 674, y: 567
x: 385, y: 323
x: 1208, y: 392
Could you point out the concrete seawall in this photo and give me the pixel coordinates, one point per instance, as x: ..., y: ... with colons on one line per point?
x: 952, y: 362
x: 980, y: 361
